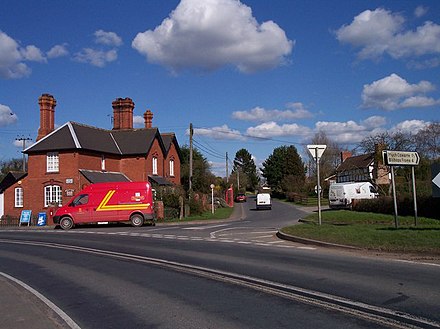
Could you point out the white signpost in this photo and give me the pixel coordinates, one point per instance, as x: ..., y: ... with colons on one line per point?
x: 402, y: 158
x: 317, y: 151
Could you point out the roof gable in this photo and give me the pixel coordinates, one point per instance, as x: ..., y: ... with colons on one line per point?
x: 356, y: 162
x: 59, y: 139
x: 168, y: 140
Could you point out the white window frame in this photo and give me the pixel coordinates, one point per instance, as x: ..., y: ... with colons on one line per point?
x: 154, y: 165
x: 18, y: 197
x: 103, y: 163
x: 52, y: 162
x: 53, y: 195
x: 172, y: 168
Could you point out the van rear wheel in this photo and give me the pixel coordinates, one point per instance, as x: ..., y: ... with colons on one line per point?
x: 66, y: 223
x: 136, y: 220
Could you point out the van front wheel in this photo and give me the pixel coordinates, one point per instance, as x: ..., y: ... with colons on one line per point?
x: 66, y: 223
x: 136, y: 220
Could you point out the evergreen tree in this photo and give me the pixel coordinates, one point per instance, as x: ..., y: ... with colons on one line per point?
x: 202, y: 176
x: 283, y: 164
x: 245, y: 165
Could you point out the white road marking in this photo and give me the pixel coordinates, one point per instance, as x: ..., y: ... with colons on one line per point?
x: 67, y: 319
x: 204, y: 227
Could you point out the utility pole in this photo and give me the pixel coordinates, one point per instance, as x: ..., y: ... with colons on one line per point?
x: 23, y: 140
x: 191, y: 132
x: 227, y: 170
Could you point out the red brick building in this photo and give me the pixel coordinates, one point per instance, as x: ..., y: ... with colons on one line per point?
x: 65, y: 159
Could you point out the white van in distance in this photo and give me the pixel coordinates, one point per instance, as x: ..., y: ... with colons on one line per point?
x: 341, y: 195
x: 263, y: 201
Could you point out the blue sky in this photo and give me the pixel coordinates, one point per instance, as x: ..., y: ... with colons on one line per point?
x: 248, y: 74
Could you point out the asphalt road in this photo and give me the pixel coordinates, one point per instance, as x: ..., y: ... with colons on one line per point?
x: 217, y: 275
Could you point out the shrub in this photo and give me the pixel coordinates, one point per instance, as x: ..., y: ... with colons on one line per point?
x: 427, y: 206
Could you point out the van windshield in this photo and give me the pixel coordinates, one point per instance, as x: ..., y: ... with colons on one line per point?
x: 80, y: 200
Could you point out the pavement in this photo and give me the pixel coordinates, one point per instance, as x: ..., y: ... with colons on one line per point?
x: 22, y: 307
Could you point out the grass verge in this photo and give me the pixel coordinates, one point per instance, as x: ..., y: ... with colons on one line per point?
x: 220, y: 213
x: 371, y: 231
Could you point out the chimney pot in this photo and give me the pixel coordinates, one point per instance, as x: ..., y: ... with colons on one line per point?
x: 47, y: 115
x: 148, y: 117
x: 123, y: 113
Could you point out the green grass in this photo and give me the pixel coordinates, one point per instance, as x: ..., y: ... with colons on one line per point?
x: 220, y: 213
x: 371, y: 231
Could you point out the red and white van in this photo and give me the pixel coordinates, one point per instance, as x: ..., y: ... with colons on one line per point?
x: 108, y: 202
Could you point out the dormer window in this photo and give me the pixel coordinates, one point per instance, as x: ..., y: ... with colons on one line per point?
x: 52, y: 162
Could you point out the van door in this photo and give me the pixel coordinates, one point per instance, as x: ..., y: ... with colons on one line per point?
x: 82, y: 211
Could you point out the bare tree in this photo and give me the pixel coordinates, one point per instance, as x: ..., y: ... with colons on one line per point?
x: 394, y: 141
x: 427, y: 141
x: 331, y: 158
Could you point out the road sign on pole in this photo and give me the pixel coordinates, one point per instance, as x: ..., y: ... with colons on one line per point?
x: 435, y: 171
x: 400, y: 158
x: 316, y: 150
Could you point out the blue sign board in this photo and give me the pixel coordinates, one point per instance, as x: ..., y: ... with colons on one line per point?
x: 42, y: 219
x: 25, y: 217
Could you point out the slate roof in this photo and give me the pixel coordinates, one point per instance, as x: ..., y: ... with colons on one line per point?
x: 159, y: 180
x: 10, y: 179
x: 94, y: 176
x: 74, y: 135
x: 356, y: 162
x: 168, y: 139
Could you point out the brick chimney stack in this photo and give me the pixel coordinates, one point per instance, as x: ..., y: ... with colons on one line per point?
x: 148, y: 117
x: 47, y: 115
x: 123, y: 113
x: 345, y: 155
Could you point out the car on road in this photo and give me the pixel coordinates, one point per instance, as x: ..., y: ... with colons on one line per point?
x: 241, y: 197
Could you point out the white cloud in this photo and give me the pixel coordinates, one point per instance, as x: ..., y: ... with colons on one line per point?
x: 374, y: 122
x: 344, y: 132
x: 272, y: 129
x: 410, y: 126
x: 32, y: 53
x: 95, y: 57
x: 420, y: 11
x: 222, y: 132
x: 11, y: 59
x: 394, y: 92
x: 6, y: 116
x: 58, y: 51
x: 260, y: 114
x: 381, y: 32
x: 107, y: 38
x: 19, y: 143
x: 208, y: 34
x: 138, y: 121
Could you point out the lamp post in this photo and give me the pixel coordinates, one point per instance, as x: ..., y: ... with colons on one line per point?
x: 212, y: 198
